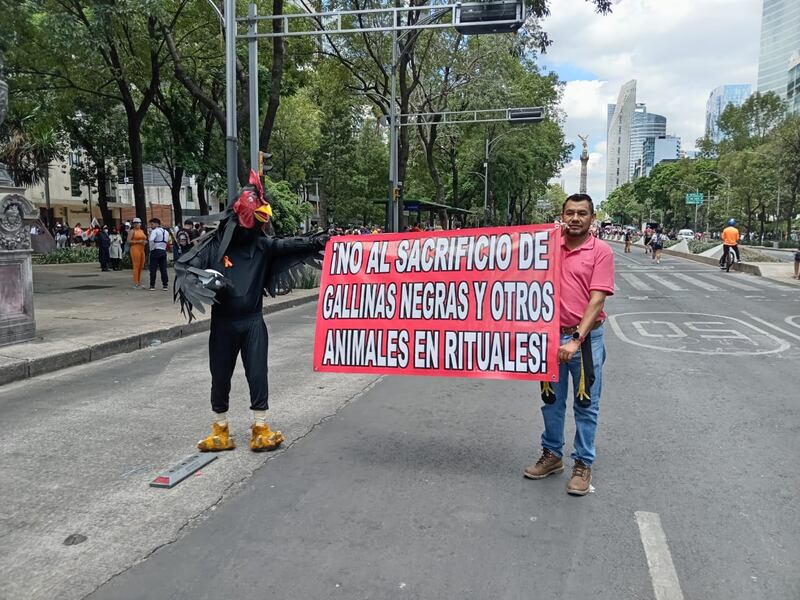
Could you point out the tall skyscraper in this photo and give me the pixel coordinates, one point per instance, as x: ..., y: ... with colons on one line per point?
x: 718, y: 99
x: 793, y: 86
x: 645, y: 125
x: 780, y: 38
x: 618, y: 137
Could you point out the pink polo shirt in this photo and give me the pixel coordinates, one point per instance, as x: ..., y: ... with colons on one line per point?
x: 588, y: 267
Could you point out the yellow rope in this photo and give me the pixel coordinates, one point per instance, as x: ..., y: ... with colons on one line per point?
x: 582, y: 393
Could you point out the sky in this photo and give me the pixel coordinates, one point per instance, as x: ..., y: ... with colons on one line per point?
x: 677, y: 50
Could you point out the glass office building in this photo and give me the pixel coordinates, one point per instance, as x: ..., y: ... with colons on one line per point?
x: 793, y: 86
x: 618, y: 137
x: 780, y: 39
x: 645, y: 125
x: 718, y: 99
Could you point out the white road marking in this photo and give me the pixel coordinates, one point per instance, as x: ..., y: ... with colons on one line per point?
x: 791, y: 321
x: 659, y: 561
x: 733, y: 283
x: 617, y: 329
x: 775, y: 327
x: 636, y: 282
x: 667, y: 284
x: 699, y: 283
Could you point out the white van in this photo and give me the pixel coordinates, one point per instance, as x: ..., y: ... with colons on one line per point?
x: 685, y: 234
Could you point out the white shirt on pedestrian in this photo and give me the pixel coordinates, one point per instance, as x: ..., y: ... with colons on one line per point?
x: 158, y: 239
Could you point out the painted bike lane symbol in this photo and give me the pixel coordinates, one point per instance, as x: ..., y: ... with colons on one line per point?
x: 695, y: 333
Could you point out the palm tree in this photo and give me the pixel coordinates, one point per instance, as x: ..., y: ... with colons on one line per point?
x: 28, y: 151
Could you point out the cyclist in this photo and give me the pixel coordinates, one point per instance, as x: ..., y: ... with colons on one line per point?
x: 730, y: 239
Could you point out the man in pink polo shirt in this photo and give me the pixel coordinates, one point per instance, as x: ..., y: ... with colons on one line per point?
x: 587, y: 277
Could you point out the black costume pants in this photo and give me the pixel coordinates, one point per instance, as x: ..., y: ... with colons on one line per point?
x: 158, y: 262
x: 228, y: 337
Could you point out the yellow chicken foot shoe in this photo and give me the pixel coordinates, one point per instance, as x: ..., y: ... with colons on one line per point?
x: 219, y: 440
x: 264, y: 439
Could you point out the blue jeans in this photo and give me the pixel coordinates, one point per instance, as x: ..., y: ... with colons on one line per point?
x: 585, y: 418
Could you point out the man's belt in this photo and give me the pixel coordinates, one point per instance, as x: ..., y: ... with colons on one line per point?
x: 574, y: 328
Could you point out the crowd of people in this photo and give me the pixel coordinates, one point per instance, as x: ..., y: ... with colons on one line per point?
x: 142, y: 244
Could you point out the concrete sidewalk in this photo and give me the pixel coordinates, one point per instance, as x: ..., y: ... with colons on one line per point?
x: 83, y: 315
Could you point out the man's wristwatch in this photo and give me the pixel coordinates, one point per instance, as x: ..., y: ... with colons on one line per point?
x: 576, y: 335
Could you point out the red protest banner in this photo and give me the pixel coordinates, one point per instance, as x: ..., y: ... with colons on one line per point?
x: 463, y: 303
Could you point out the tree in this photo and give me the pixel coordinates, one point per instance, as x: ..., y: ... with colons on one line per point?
x: 748, y: 125
x: 296, y: 136
x: 28, y: 150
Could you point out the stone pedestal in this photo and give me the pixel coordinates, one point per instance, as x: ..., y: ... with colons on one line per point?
x: 16, y: 272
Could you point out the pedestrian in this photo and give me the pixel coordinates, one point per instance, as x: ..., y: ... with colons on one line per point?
x: 103, y: 245
x: 197, y: 231
x: 158, y: 254
x: 184, y: 238
x: 61, y: 237
x: 253, y: 264
x: 124, y: 232
x: 628, y: 236
x: 657, y: 244
x: 115, y: 251
x: 648, y: 235
x: 587, y: 277
x: 797, y: 262
x: 136, y: 242
x: 77, y: 234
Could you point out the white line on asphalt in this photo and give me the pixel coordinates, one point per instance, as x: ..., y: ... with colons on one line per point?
x: 697, y: 282
x: 659, y: 561
x: 775, y: 327
x: 666, y: 283
x: 636, y: 282
x: 791, y: 321
x: 729, y: 280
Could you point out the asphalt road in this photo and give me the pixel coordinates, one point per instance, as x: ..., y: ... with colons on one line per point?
x: 413, y: 488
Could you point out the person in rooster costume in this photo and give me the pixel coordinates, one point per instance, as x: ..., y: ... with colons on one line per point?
x: 231, y: 269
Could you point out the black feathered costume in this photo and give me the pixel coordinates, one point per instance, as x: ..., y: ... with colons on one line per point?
x: 231, y: 269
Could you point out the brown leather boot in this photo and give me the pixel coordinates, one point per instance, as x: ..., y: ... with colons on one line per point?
x: 581, y: 480
x: 219, y: 440
x: 547, y: 464
x: 264, y: 439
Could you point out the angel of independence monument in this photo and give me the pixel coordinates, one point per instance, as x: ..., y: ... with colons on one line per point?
x: 16, y: 274
x: 584, y: 162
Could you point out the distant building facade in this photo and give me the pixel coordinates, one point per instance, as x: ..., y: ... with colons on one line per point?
x: 645, y: 125
x: 656, y: 149
x: 618, y: 137
x: 780, y: 39
x: 718, y: 100
x: 793, y: 86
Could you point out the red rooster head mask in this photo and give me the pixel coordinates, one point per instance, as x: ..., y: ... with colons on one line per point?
x: 251, y: 207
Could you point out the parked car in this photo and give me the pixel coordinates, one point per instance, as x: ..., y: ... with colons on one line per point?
x: 686, y: 234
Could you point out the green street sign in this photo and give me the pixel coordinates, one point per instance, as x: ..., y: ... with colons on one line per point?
x: 694, y: 198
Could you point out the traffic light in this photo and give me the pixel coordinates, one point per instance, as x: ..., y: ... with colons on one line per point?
x: 262, y: 158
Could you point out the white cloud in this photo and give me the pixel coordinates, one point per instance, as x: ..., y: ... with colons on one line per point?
x: 677, y: 50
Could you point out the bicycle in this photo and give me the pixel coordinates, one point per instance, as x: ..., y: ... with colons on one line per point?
x: 730, y: 258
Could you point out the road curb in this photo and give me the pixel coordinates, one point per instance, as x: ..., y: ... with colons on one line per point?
x: 12, y: 369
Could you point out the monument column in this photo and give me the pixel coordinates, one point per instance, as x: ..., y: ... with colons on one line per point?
x: 584, y: 162
x: 16, y: 272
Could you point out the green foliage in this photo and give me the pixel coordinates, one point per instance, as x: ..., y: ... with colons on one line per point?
x: 287, y: 210
x: 117, y: 78
x: 698, y: 246
x: 77, y: 254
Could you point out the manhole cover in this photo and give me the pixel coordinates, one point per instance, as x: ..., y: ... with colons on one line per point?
x: 91, y: 287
